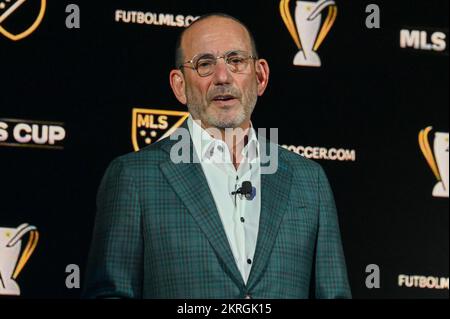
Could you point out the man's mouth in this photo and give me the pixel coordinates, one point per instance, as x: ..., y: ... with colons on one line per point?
x: 224, y: 98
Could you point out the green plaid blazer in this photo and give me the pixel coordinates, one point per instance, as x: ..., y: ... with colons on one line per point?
x: 158, y: 233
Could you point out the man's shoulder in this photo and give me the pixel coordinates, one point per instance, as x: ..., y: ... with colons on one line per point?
x: 298, y: 163
x: 146, y: 157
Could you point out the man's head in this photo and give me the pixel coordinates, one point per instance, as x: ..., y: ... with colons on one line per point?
x: 225, y: 96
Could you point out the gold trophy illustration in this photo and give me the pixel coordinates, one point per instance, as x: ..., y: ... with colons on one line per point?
x: 308, y: 32
x: 11, y: 259
x: 438, y: 161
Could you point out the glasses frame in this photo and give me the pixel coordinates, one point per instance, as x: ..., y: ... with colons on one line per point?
x: 223, y: 56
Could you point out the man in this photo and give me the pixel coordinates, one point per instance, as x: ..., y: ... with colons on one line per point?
x: 218, y: 226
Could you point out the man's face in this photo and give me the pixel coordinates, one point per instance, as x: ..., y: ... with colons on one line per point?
x: 223, y: 99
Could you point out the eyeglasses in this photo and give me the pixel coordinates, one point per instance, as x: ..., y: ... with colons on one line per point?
x: 205, y: 64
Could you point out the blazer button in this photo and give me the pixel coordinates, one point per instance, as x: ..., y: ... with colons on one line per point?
x: 248, y: 296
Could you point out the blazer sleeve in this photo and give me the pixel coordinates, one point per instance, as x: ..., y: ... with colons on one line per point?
x: 330, y: 269
x: 114, y: 267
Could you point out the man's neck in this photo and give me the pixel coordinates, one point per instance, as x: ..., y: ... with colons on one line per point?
x: 235, y: 138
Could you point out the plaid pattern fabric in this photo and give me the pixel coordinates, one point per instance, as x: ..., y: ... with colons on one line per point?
x: 158, y: 234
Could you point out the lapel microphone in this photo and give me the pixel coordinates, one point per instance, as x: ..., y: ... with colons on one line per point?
x: 246, y: 189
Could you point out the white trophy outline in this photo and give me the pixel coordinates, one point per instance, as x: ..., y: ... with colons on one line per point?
x: 437, y: 160
x: 308, y: 32
x: 12, y: 258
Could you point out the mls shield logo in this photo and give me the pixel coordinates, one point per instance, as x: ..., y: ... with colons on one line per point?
x: 13, y: 258
x: 150, y: 126
x: 20, y: 18
x: 308, y: 31
x: 437, y: 160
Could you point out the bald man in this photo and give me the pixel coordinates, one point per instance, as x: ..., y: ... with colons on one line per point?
x: 219, y: 225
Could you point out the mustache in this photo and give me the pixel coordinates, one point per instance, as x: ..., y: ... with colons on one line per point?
x: 224, y: 90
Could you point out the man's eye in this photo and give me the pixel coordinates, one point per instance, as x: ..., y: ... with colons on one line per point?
x: 236, y: 60
x: 204, y: 63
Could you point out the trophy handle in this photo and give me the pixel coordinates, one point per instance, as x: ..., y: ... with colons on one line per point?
x: 21, y: 231
x: 427, y: 152
x: 329, y: 21
x: 29, y: 249
x: 321, y: 5
x: 289, y: 22
x: 31, y: 245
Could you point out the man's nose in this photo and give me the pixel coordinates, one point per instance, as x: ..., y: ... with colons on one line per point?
x: 222, y: 74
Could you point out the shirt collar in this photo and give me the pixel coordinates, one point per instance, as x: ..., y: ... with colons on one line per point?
x: 204, y: 143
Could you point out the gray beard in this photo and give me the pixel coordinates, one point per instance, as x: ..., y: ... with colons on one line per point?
x: 199, y: 112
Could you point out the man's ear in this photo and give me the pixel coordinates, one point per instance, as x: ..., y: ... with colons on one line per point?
x: 178, y: 84
x: 262, y: 75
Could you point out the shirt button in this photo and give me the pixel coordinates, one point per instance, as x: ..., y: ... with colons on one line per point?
x: 243, y: 219
x: 249, y: 261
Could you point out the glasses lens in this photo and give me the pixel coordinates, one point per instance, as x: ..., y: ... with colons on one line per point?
x: 205, y: 65
x: 237, y: 61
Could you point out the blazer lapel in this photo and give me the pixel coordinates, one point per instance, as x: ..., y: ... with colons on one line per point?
x: 275, y: 190
x: 189, y: 182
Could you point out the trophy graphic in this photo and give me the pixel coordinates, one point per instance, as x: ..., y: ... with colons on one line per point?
x: 437, y: 161
x: 308, y: 32
x: 11, y: 261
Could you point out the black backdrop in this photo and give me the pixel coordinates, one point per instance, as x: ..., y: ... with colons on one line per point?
x: 370, y: 96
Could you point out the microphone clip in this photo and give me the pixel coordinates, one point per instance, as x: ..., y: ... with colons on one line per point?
x: 246, y: 190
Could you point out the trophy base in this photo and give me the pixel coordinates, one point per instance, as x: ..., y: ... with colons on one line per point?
x: 311, y: 59
x: 440, y: 191
x: 10, y: 289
